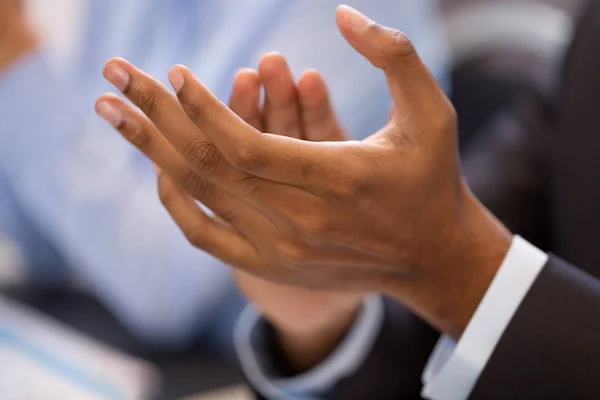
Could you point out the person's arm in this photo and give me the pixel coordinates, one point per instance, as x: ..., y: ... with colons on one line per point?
x: 511, y: 345
x: 393, y: 352
x: 391, y: 213
x: 94, y: 200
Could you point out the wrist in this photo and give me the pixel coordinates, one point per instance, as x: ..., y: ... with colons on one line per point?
x: 461, y: 272
x: 309, y: 342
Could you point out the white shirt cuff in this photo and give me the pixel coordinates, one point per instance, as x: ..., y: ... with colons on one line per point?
x: 316, y: 383
x: 453, y: 369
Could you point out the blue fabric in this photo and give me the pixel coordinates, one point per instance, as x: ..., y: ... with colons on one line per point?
x: 74, y: 192
x: 317, y: 383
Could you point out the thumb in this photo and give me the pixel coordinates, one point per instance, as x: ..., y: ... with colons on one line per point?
x: 413, y: 87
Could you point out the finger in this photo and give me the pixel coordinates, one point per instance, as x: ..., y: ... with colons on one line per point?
x: 162, y: 110
x: 320, y: 122
x: 139, y: 131
x: 272, y: 157
x: 414, y: 89
x: 155, y: 100
x: 203, y: 231
x: 282, y: 108
x: 245, y: 98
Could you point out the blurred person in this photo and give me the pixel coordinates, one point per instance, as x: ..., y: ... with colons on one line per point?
x: 72, y: 194
x: 390, y: 214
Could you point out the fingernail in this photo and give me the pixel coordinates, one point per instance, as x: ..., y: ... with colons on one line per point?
x: 176, y: 79
x: 355, y: 19
x: 157, y: 169
x: 110, y: 113
x: 117, y: 76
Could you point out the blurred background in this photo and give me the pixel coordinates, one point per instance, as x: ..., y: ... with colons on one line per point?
x: 82, y: 254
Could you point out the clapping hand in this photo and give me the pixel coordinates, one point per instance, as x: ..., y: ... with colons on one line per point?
x: 391, y: 213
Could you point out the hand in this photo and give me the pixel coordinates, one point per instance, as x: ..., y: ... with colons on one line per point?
x: 308, y: 324
x: 16, y: 36
x: 390, y: 214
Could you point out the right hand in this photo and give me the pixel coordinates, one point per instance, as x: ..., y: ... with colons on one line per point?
x: 17, y: 38
x: 391, y: 213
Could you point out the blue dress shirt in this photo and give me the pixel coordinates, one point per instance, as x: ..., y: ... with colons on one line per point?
x: 73, y: 192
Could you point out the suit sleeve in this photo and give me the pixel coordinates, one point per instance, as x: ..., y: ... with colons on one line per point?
x: 551, y: 348
x: 395, y: 365
x: 391, y: 367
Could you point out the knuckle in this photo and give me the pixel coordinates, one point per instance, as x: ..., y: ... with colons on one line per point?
x: 195, y: 110
x: 247, y: 158
x: 202, y: 155
x: 148, y: 100
x: 400, y: 49
x: 141, y: 138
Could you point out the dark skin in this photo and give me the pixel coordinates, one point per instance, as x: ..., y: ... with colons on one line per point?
x: 389, y: 214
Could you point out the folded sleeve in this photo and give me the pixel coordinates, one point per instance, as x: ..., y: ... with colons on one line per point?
x: 261, y: 370
x: 384, y: 353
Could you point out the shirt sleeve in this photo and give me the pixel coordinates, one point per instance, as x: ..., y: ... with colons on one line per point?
x: 454, y: 368
x: 317, y: 383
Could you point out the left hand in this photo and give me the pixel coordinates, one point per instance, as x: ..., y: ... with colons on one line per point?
x: 308, y: 323
x: 389, y: 214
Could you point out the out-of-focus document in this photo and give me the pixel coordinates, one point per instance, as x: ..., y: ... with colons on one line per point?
x: 42, y: 359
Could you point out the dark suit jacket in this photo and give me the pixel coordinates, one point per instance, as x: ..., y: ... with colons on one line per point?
x: 539, y: 171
